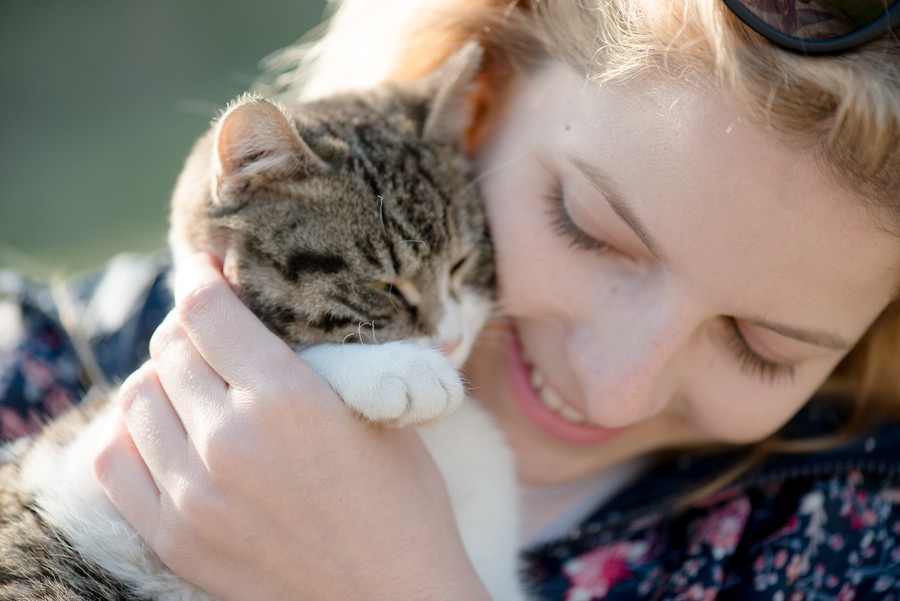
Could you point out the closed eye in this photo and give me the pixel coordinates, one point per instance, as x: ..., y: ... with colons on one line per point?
x: 754, y: 364
x: 456, y: 267
x: 563, y: 225
x: 402, y: 291
x: 393, y: 293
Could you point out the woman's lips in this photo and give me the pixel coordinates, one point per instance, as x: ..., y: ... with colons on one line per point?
x: 544, y: 407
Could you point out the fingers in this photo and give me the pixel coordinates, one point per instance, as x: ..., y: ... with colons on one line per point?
x: 224, y: 331
x: 156, y: 431
x: 126, y: 480
x: 184, y: 374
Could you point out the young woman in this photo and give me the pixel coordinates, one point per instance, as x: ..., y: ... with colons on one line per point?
x: 695, y: 357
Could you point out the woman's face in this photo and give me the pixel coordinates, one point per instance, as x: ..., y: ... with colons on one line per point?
x: 670, y: 274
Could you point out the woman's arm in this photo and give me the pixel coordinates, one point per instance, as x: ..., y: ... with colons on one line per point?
x: 248, y: 476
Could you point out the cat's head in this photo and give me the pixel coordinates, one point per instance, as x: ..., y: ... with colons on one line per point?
x: 349, y: 218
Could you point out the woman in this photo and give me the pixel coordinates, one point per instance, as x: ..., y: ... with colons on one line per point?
x: 697, y: 258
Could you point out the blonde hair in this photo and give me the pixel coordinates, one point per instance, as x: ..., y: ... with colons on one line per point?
x: 846, y: 108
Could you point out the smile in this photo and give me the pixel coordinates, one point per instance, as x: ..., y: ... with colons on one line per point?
x: 541, y: 404
x: 551, y: 399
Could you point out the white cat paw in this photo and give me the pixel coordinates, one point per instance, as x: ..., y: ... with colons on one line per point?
x: 395, y: 383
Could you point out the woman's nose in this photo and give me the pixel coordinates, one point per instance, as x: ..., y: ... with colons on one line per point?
x: 627, y: 374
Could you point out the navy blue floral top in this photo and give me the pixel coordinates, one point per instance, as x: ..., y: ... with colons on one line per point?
x: 814, y: 527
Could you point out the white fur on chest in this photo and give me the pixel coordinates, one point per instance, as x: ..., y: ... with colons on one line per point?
x: 478, y: 469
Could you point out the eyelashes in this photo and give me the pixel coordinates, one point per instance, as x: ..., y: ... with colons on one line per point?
x: 750, y: 362
x: 563, y: 226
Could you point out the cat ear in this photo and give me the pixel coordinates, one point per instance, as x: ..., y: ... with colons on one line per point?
x: 255, y: 136
x: 451, y: 85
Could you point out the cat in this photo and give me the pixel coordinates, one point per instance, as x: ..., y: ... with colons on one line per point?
x: 352, y: 218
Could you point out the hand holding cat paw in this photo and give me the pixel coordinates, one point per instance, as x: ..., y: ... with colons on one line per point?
x: 244, y: 472
x: 395, y: 383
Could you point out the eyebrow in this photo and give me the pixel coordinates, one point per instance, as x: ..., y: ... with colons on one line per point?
x: 608, y: 189
x: 816, y: 337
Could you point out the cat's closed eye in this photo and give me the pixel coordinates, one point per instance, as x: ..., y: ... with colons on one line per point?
x: 396, y: 295
x: 461, y: 272
x: 459, y: 265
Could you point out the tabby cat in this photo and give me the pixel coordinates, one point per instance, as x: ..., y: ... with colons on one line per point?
x: 348, y: 219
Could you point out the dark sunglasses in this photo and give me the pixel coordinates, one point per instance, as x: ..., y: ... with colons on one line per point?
x: 818, y: 26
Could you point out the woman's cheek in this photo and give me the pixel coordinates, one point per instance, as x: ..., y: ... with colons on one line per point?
x: 739, y: 410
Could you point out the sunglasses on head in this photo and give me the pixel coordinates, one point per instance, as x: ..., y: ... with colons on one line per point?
x: 818, y: 26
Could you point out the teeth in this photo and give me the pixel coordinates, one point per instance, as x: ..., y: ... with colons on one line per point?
x: 553, y: 401
x: 537, y: 379
x: 572, y: 415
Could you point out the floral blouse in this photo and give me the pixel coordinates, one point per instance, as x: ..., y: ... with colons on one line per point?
x: 814, y: 527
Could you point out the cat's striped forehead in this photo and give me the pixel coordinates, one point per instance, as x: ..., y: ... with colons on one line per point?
x: 358, y: 209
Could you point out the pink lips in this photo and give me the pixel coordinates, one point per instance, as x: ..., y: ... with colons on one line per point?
x: 533, y: 408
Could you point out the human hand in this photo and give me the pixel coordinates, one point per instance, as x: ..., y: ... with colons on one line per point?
x: 249, y: 477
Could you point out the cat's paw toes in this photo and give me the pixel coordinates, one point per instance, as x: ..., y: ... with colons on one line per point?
x: 396, y: 383
x: 434, y: 390
x: 417, y: 385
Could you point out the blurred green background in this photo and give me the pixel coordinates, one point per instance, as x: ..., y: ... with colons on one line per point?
x: 100, y: 102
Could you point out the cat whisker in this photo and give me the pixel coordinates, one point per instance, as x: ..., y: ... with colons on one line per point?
x: 381, y: 213
x: 363, y: 324
x: 475, y: 180
x: 422, y: 242
x: 391, y: 297
x: 412, y: 256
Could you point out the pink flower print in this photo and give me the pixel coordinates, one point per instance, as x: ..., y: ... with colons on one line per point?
x: 789, y: 528
x: 37, y: 370
x: 869, y: 517
x: 781, y: 558
x: 726, y: 494
x: 836, y: 542
x: 846, y: 593
x: 57, y: 401
x: 797, y: 566
x: 697, y: 592
x: 856, y: 521
x: 722, y: 529
x: 891, y: 495
x: 12, y: 425
x: 595, y: 572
